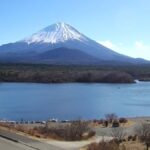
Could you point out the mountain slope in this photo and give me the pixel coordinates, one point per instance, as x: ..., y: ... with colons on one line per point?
x: 67, y: 56
x: 61, y: 38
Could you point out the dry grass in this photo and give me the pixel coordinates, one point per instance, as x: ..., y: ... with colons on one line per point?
x: 103, y: 146
x: 128, y: 124
x: 113, y: 146
x: 134, y: 145
x: 77, y: 130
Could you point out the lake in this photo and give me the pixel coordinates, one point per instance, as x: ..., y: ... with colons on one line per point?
x: 31, y: 101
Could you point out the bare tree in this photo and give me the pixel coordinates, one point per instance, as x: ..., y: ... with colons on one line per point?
x: 77, y: 129
x: 118, y: 134
x: 143, y: 133
x: 111, y: 117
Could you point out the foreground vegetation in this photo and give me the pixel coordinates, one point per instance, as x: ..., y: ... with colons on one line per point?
x: 121, y: 141
x: 112, y: 145
x: 123, y: 138
x: 73, y: 131
x: 119, y: 138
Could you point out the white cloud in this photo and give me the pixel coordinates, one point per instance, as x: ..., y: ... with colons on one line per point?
x: 111, y: 45
x: 139, y: 44
x: 107, y: 43
x: 141, y: 50
x: 137, y: 49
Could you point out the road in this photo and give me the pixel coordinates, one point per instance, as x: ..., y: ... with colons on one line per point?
x: 13, y: 141
x: 9, y: 145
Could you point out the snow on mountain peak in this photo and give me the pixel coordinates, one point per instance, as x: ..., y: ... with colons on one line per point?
x: 59, y: 32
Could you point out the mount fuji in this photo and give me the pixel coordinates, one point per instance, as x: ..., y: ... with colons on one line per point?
x: 60, y: 43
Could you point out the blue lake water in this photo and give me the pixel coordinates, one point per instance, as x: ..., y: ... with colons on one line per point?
x: 73, y: 100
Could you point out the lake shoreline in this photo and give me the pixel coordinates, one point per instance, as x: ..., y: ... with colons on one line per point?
x: 40, y: 73
x: 135, y: 118
x: 63, y: 74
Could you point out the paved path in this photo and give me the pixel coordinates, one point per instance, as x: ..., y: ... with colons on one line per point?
x: 9, y: 145
x: 76, y: 145
x: 25, y: 141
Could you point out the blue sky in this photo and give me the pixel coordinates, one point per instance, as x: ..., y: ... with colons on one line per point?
x: 123, y: 25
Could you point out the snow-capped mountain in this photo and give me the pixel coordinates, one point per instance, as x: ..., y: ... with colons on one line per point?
x: 63, y: 44
x: 59, y: 32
